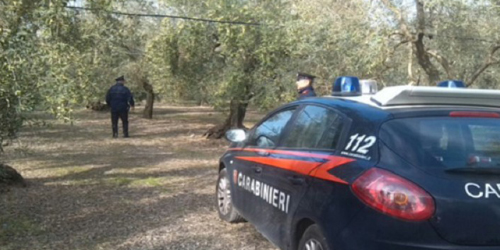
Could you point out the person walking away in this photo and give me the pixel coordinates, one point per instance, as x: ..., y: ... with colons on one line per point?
x: 119, y: 99
x: 304, y: 85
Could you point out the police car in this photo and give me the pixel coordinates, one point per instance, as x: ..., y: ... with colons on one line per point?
x: 408, y: 168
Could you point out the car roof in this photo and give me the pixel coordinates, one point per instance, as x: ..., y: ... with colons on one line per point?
x: 354, y: 109
x: 410, y: 101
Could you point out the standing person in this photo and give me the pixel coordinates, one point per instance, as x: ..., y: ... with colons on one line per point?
x: 120, y: 99
x: 304, y: 85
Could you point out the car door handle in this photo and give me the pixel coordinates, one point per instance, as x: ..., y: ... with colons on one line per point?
x: 257, y: 170
x: 295, y: 180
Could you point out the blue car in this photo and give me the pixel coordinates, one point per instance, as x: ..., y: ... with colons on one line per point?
x: 408, y: 168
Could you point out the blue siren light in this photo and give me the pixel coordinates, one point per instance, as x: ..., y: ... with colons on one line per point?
x: 346, y: 86
x: 452, y: 84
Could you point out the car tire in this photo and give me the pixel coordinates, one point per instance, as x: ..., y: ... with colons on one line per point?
x: 313, y: 239
x: 225, y: 206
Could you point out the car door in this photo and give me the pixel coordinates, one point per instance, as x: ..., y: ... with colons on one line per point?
x: 308, y: 143
x: 248, y: 185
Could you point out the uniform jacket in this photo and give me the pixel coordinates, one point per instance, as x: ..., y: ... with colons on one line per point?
x: 119, y: 98
x: 306, y: 92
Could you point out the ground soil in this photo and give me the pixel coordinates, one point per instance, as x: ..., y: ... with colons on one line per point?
x: 154, y: 190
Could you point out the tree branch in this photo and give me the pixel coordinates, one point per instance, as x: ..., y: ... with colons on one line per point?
x: 404, y: 26
x: 420, y: 50
x: 390, y: 53
x: 420, y: 17
x: 417, y: 39
x: 487, y: 63
x: 397, y: 33
x: 442, y: 61
x: 410, y: 62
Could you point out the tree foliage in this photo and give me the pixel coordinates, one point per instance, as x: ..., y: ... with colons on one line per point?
x: 55, y: 58
x: 446, y: 39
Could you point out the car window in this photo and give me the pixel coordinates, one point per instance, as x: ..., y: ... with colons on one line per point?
x: 485, y: 138
x: 268, y: 133
x: 445, y: 142
x: 316, y: 128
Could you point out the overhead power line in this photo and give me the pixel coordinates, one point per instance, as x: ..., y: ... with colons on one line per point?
x: 476, y: 39
x: 163, y: 16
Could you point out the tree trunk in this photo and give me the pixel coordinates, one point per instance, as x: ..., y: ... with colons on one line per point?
x: 235, y: 119
x: 238, y: 105
x: 150, y: 99
x: 425, y: 62
x: 422, y: 56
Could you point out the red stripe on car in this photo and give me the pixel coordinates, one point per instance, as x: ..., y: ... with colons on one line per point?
x: 311, y: 168
x: 286, y: 152
x: 302, y: 167
x: 322, y: 171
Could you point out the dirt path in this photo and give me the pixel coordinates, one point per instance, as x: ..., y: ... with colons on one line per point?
x: 89, y: 191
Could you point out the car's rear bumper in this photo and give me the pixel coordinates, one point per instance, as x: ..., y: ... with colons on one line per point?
x: 371, y: 230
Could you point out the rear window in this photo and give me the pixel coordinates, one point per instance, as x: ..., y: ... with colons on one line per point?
x: 445, y: 142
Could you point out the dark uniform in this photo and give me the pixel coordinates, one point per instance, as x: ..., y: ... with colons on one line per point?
x: 120, y: 99
x: 306, y: 91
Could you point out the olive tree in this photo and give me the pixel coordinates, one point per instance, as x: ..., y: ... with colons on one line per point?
x: 445, y: 39
x: 224, y: 64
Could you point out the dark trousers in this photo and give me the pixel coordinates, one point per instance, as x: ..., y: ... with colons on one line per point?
x: 114, y: 122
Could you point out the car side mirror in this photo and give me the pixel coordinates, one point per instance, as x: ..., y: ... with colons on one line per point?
x: 236, y: 135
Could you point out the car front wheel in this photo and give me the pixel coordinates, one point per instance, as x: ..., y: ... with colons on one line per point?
x: 224, y: 204
x: 313, y: 239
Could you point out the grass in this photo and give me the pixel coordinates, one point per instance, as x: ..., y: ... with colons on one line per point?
x: 69, y: 171
x: 18, y: 226
x: 87, y: 190
x: 119, y: 181
x: 148, y: 182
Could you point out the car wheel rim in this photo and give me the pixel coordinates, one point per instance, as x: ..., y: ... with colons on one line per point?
x: 224, y: 195
x: 313, y: 244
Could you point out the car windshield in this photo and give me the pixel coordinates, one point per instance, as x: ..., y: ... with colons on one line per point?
x: 445, y: 142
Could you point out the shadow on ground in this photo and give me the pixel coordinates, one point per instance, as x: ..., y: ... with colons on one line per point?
x: 89, y: 191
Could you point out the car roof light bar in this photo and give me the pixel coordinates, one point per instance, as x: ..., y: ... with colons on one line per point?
x: 368, y: 87
x: 346, y: 86
x: 452, y: 84
x: 415, y: 95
